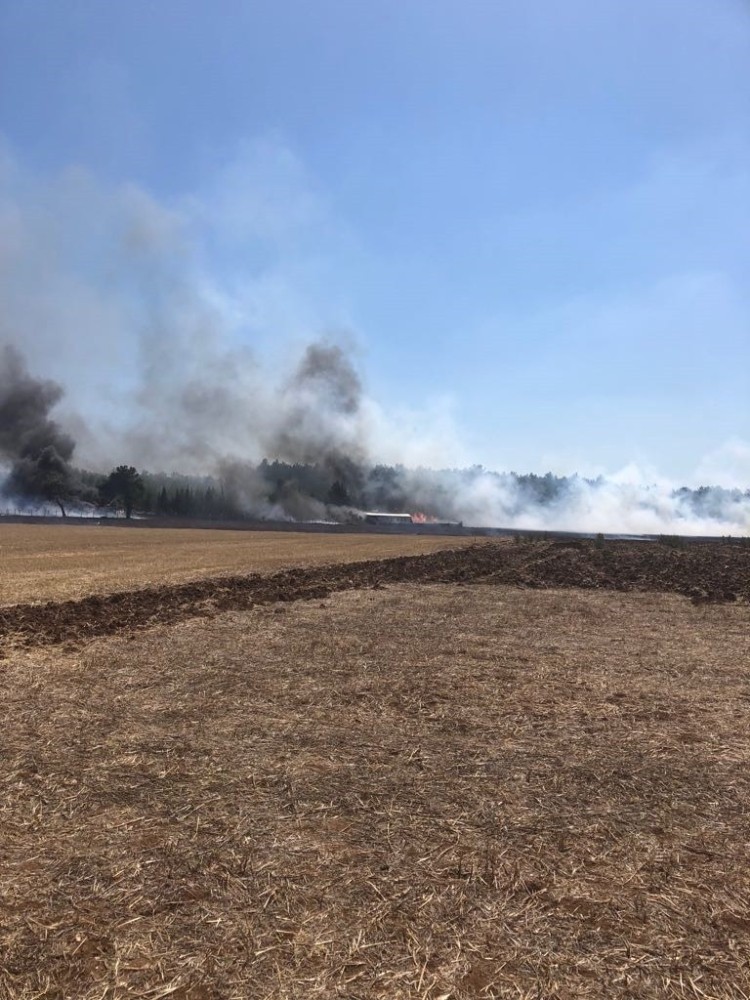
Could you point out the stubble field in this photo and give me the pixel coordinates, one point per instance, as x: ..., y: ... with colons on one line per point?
x: 519, y: 770
x: 61, y: 562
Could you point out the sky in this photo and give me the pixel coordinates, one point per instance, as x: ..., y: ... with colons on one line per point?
x: 527, y: 220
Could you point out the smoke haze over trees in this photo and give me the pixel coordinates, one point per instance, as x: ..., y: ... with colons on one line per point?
x: 322, y: 471
x: 111, y: 288
x: 124, y: 487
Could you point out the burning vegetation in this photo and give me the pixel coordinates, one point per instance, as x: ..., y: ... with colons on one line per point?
x: 320, y: 468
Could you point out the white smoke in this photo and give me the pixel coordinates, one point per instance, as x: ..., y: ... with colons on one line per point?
x: 728, y: 465
x: 627, y: 502
x: 108, y: 291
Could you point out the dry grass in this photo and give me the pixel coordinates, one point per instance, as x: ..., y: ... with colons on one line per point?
x: 415, y: 792
x: 55, y: 563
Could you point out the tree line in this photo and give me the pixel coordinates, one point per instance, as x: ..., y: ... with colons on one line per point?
x: 306, y: 491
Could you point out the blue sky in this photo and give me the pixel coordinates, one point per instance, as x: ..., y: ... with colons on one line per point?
x: 529, y: 220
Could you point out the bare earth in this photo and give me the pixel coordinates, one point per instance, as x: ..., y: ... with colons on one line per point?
x: 66, y: 562
x: 424, y: 790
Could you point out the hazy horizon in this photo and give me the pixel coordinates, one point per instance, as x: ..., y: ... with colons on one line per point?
x: 525, y: 227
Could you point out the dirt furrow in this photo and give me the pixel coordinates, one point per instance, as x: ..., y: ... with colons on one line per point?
x: 700, y: 571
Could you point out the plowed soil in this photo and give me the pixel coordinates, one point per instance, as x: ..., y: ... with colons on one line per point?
x: 716, y: 572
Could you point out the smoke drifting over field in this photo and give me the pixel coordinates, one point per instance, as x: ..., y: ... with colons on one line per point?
x: 106, y: 291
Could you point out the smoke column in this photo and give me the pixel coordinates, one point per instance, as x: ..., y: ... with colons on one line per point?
x: 164, y: 368
x: 34, y: 445
x: 320, y: 416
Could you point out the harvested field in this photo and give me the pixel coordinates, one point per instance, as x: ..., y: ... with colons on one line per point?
x: 514, y: 770
x: 703, y: 572
x: 424, y: 790
x: 61, y: 562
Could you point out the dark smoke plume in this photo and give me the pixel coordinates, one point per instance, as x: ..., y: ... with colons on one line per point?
x: 320, y: 410
x: 326, y: 369
x: 36, y: 448
x: 322, y: 423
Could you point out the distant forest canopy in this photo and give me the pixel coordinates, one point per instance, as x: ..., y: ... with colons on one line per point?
x: 338, y: 491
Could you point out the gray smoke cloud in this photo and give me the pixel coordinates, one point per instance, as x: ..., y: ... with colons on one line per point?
x: 320, y: 417
x: 26, y: 427
x: 167, y: 369
x: 34, y: 445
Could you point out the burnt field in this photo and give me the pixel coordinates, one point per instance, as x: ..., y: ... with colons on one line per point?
x: 518, y: 770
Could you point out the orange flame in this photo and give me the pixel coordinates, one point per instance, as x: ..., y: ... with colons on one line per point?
x: 420, y: 518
